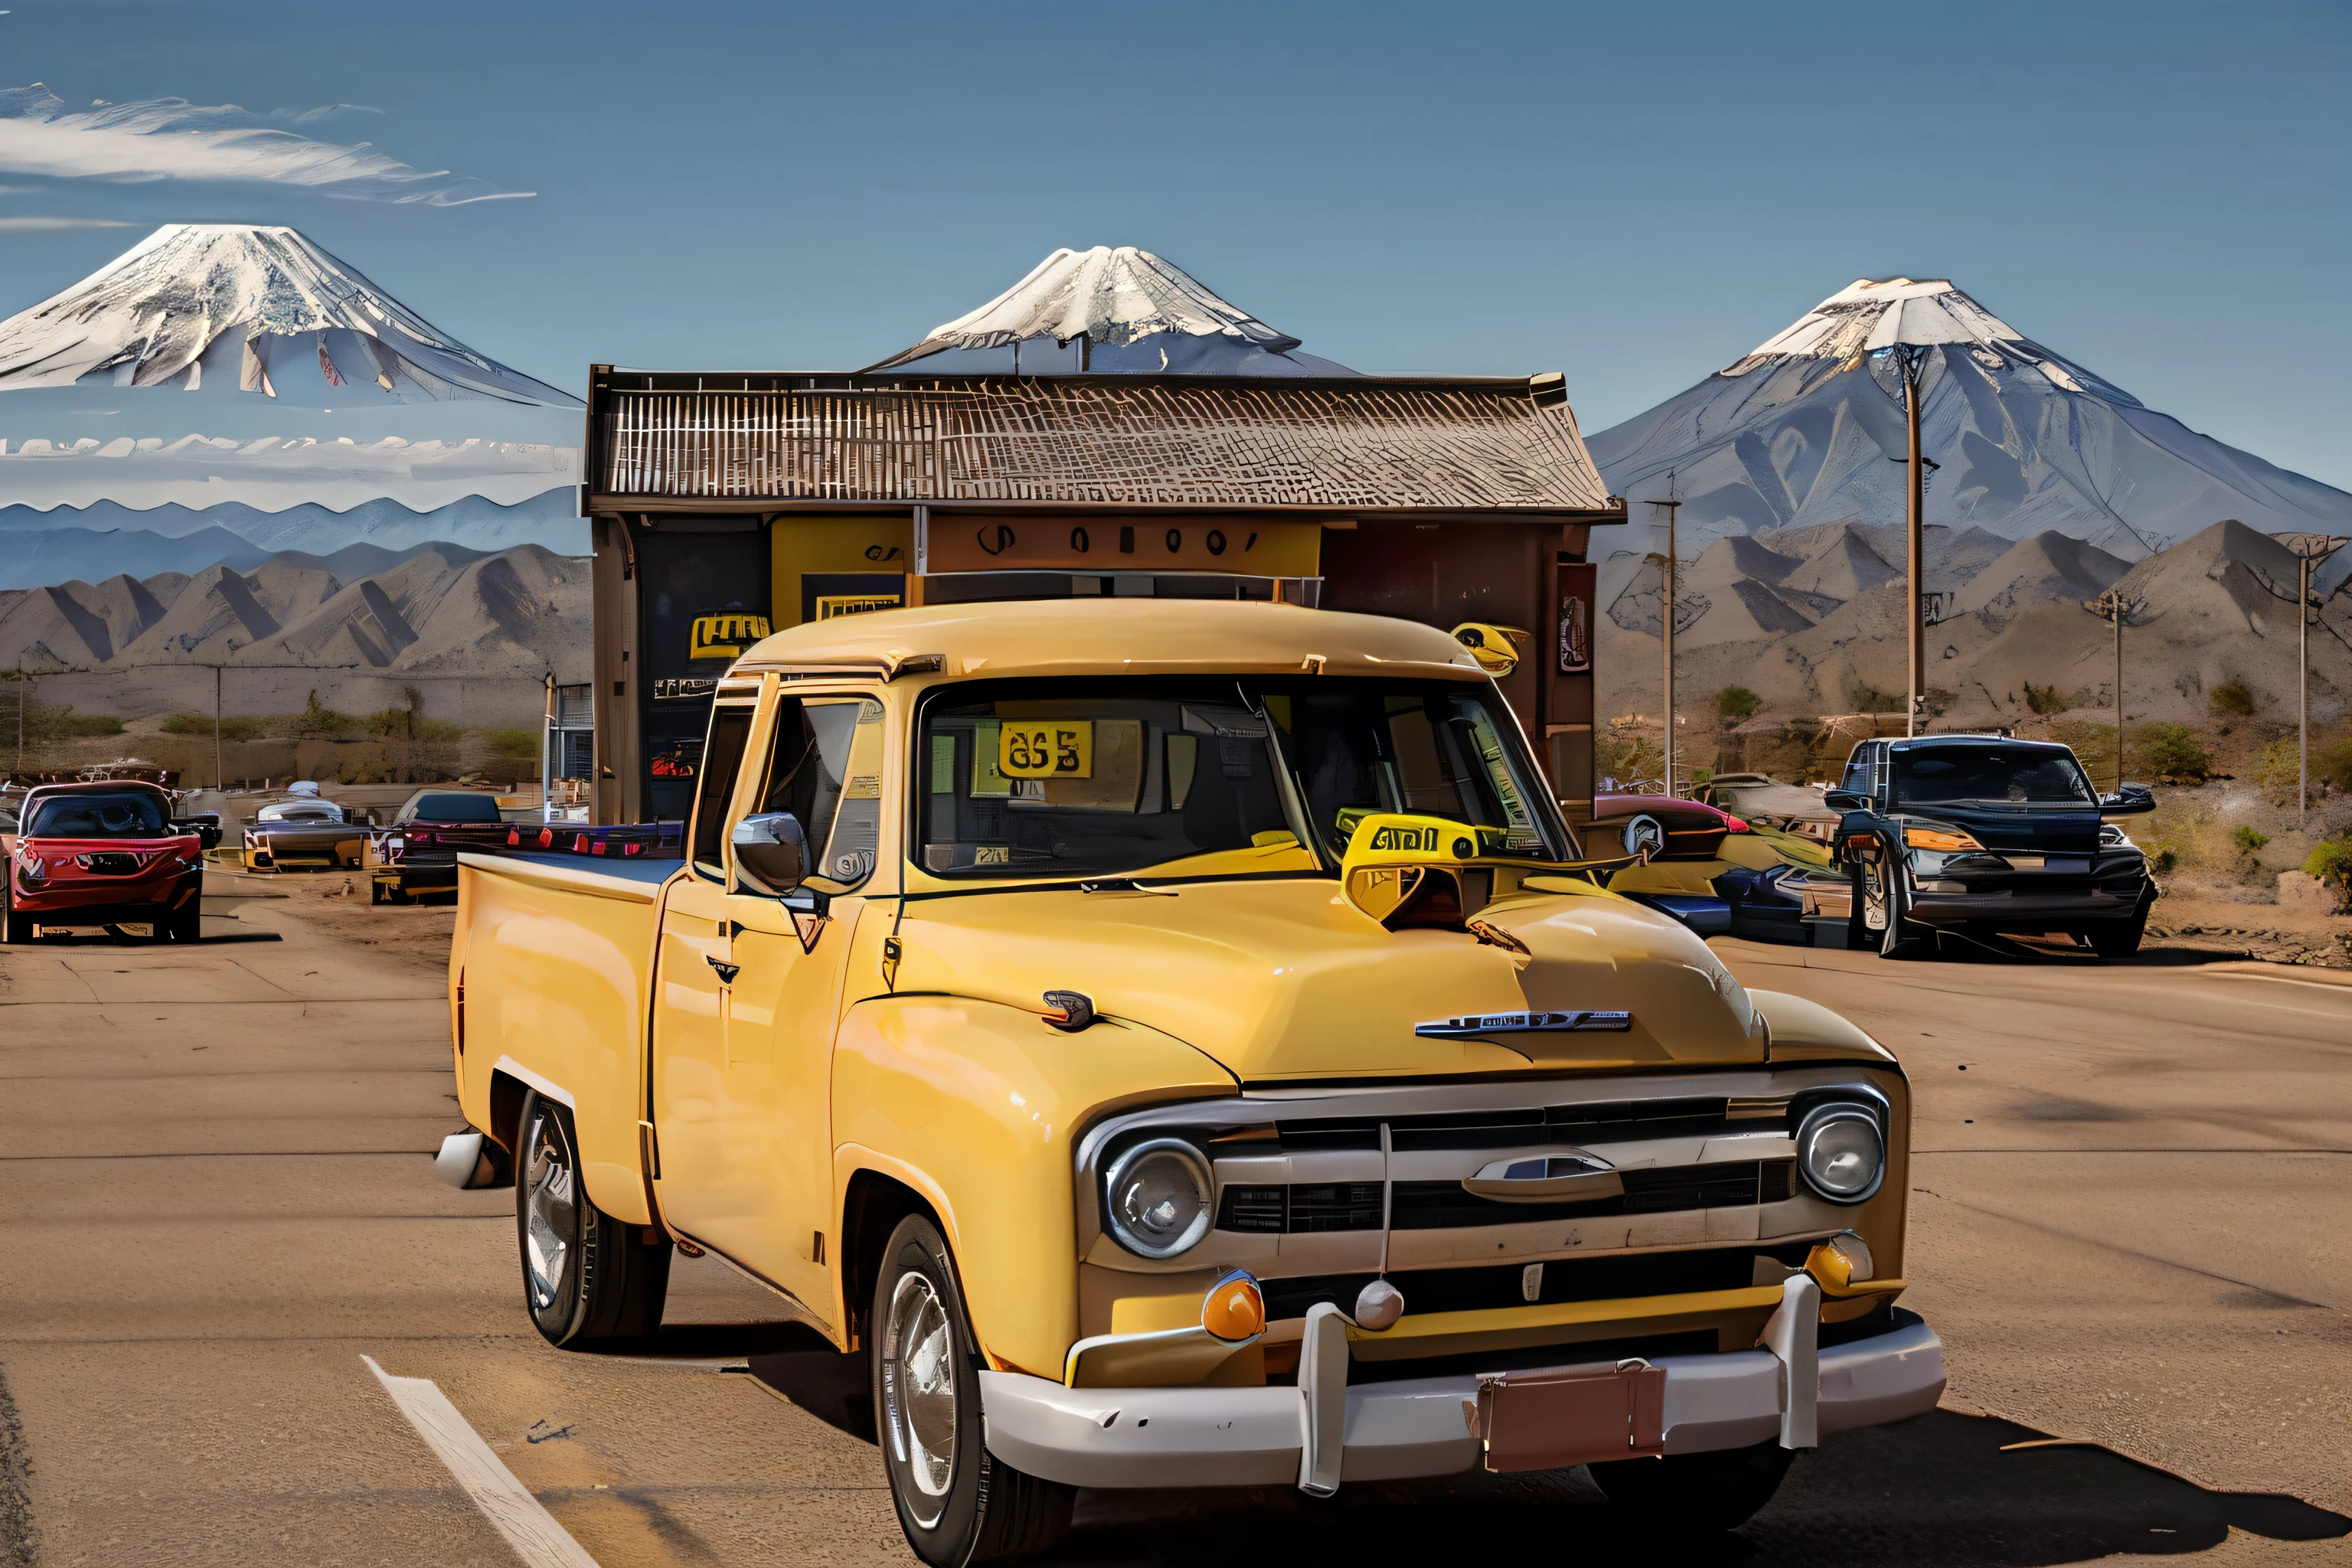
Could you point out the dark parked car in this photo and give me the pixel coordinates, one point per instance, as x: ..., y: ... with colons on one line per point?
x: 418, y: 852
x: 1985, y: 832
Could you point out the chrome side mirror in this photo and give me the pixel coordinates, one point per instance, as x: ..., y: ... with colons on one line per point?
x: 770, y: 854
x: 1845, y: 800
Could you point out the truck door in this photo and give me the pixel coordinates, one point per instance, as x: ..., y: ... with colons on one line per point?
x: 826, y: 765
x: 705, y: 1184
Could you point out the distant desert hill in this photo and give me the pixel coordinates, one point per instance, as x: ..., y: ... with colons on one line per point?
x: 1813, y: 620
x: 440, y: 609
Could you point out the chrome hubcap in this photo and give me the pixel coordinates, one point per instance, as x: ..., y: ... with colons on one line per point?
x: 918, y: 1389
x: 551, y: 1212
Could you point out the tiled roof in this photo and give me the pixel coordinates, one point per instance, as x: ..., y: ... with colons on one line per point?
x: 1361, y: 445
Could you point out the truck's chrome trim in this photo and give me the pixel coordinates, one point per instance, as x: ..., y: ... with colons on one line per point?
x: 1474, y: 1025
x: 1246, y: 1123
x: 1158, y: 1437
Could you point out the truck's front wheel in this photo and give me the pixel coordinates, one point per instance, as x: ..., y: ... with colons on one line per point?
x: 957, y: 1502
x: 590, y: 1281
x: 1695, y: 1494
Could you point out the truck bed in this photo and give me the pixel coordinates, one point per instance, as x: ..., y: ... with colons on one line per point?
x: 549, y: 976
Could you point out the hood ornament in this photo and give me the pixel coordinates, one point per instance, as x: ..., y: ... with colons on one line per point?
x: 1579, y: 1023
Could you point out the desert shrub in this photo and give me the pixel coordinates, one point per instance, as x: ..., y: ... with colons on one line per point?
x: 522, y: 744
x: 92, y: 724
x: 2331, y: 862
x: 2168, y: 751
x: 2249, y: 840
x: 317, y: 721
x: 2230, y: 700
x: 1738, y: 702
x: 1868, y: 699
x: 1626, y: 752
x: 2044, y: 700
x: 2275, y: 772
x: 233, y: 727
x: 2331, y: 765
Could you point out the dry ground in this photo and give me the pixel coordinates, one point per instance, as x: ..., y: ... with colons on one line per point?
x: 2128, y: 1223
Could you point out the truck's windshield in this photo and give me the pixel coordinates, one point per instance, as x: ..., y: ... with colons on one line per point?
x: 1204, y: 775
x: 1930, y: 775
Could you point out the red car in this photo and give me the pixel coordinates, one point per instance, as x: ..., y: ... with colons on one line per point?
x: 103, y: 853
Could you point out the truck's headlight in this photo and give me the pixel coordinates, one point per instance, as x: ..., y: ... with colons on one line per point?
x: 1841, y: 1152
x: 1157, y: 1197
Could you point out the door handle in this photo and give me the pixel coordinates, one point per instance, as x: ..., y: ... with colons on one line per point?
x: 726, y: 971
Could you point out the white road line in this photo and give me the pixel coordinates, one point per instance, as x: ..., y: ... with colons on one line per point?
x: 528, y: 1527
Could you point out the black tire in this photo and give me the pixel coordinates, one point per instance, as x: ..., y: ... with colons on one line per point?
x: 965, y: 1506
x: 588, y: 1281
x: 2120, y: 938
x: 16, y: 927
x: 1686, y: 1495
x: 186, y: 923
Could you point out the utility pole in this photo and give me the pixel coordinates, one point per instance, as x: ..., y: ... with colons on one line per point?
x: 2307, y: 560
x: 1915, y: 518
x: 1666, y: 621
x: 220, y: 772
x: 2118, y: 607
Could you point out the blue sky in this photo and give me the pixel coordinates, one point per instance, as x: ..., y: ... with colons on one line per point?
x: 1636, y: 195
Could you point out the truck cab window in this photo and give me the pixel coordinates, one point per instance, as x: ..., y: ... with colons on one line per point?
x: 722, y: 759
x: 826, y: 768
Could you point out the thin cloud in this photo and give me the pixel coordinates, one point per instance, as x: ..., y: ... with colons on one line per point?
x: 20, y: 223
x: 171, y: 139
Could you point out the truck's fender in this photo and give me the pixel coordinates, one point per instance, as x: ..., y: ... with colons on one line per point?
x: 555, y: 988
x: 977, y: 1107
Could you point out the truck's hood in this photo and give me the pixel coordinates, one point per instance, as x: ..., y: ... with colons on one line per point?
x: 2038, y: 829
x: 1283, y: 980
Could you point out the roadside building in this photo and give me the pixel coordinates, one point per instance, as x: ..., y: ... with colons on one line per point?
x: 1107, y: 426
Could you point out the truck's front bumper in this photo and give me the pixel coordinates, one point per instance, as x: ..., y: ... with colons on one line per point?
x: 2025, y: 908
x: 1428, y: 1426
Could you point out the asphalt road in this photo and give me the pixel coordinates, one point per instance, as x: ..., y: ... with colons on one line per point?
x: 2129, y: 1223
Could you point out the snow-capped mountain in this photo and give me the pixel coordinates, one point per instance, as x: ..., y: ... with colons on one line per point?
x: 1107, y: 311
x: 1799, y: 431
x: 201, y: 306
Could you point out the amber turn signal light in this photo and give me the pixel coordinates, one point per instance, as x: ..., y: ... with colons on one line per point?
x: 1234, y: 1308
x: 1841, y: 1261
x: 1949, y: 841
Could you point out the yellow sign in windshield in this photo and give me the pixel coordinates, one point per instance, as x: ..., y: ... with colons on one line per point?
x: 1046, y: 749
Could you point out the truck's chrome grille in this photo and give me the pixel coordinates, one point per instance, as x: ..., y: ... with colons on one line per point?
x: 1570, y: 1279
x: 1444, y: 1205
x: 1513, y: 1128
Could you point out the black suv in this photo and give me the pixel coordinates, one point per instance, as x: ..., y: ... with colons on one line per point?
x: 1987, y: 833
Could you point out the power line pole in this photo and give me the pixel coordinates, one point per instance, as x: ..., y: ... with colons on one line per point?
x: 1915, y: 519
x: 1666, y: 621
x: 220, y: 772
x: 2313, y: 551
x: 2117, y: 607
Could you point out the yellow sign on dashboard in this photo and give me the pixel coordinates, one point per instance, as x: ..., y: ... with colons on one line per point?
x: 1046, y: 749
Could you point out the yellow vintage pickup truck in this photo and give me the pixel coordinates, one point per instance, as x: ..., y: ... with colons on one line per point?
x: 1177, y: 1044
